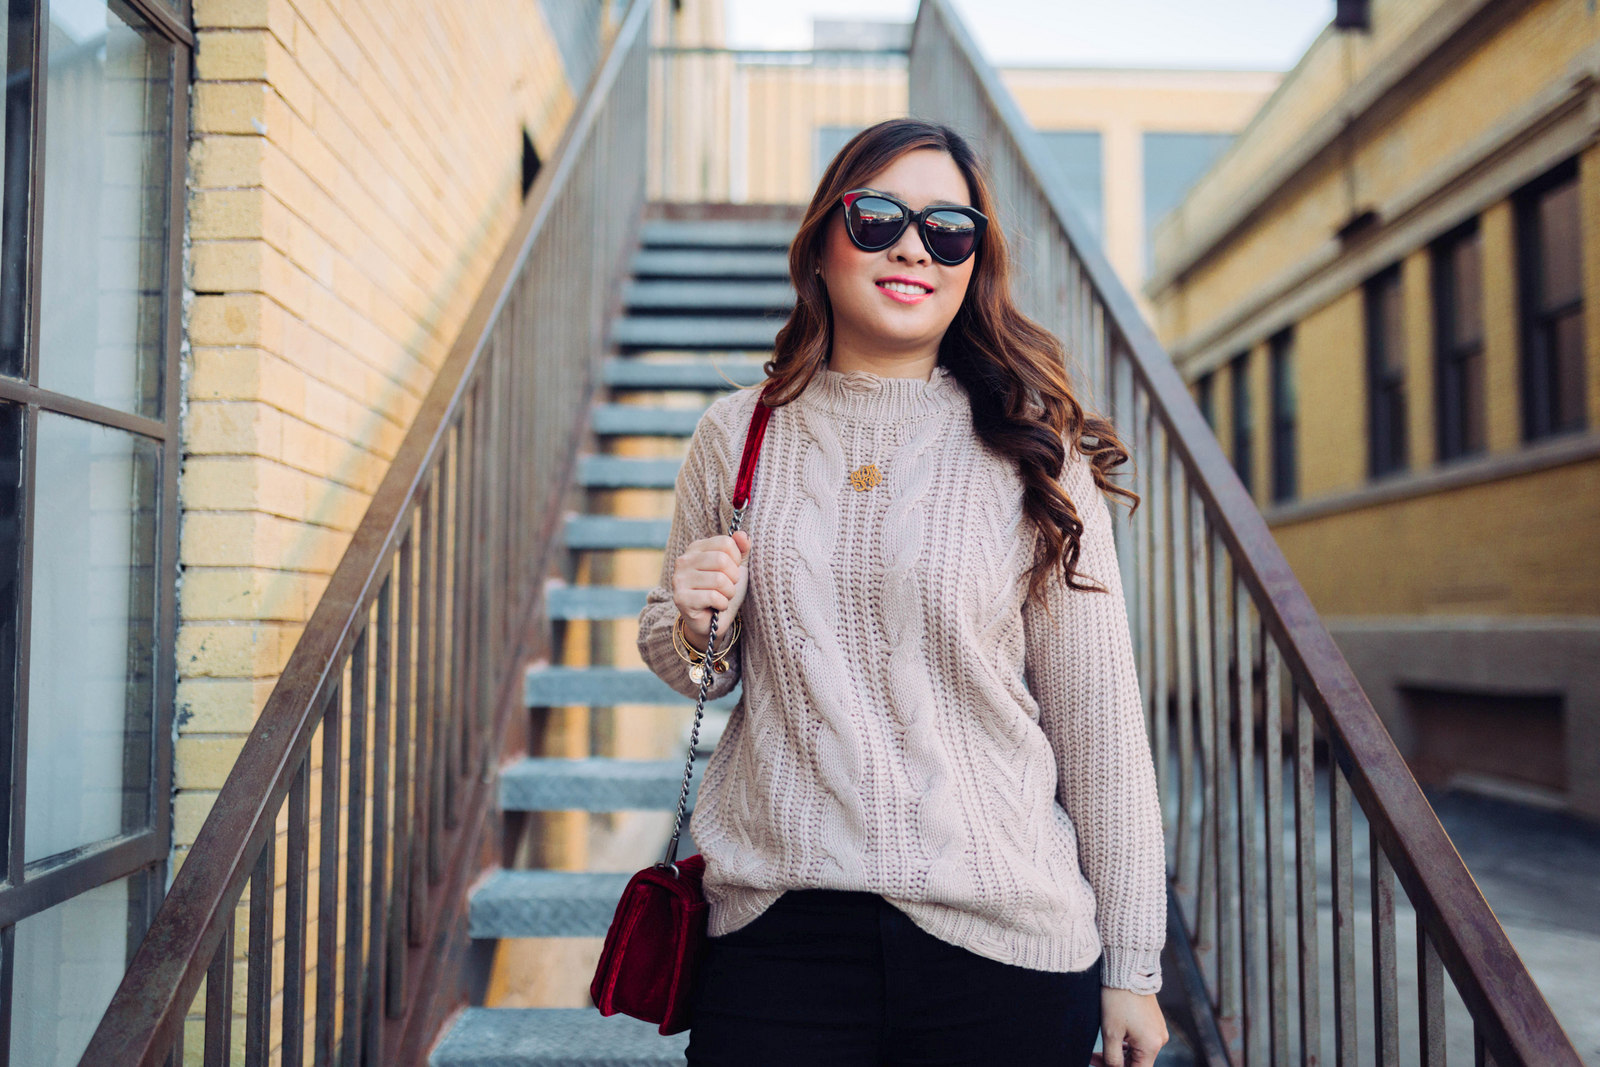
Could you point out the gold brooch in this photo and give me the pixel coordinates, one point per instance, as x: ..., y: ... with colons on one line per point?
x: 864, y: 478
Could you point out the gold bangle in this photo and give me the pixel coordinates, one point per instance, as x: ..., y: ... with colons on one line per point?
x: 695, y: 658
x: 690, y: 654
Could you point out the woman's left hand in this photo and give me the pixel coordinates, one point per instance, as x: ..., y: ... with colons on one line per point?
x: 1132, y: 1029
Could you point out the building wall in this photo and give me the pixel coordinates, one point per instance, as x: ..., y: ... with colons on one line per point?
x: 354, y: 172
x: 1123, y: 105
x: 1456, y: 107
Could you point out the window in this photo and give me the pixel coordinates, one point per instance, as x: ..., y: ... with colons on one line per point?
x: 1204, y: 387
x: 1173, y: 162
x: 1239, y: 394
x: 825, y: 144
x: 1458, y: 343
x: 1550, y: 266
x: 88, y: 458
x: 1077, y: 156
x: 1281, y: 351
x: 1386, y: 375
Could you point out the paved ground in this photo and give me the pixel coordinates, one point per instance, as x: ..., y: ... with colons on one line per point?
x: 1540, y: 872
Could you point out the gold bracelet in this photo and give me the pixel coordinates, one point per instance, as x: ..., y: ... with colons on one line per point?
x: 690, y: 654
x: 696, y: 660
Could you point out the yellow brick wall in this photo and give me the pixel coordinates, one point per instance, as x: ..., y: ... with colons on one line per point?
x: 354, y: 171
x: 1330, y: 365
x: 1483, y: 89
x: 1506, y: 547
x: 1501, y: 345
x: 1589, y: 177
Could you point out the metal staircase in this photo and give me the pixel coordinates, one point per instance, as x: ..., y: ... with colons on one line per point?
x: 703, y: 306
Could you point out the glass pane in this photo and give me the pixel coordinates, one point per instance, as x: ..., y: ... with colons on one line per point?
x: 1466, y: 292
x: 69, y: 960
x: 11, y: 500
x: 1560, y: 247
x: 16, y: 29
x: 1173, y: 162
x: 1473, y: 402
x: 1567, y: 340
x: 107, y: 170
x: 93, y: 599
x: 1077, y: 158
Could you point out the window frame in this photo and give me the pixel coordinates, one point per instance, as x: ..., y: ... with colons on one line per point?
x: 1540, y: 412
x: 1284, y: 416
x: 1456, y: 436
x: 141, y: 854
x: 1241, y: 432
x: 1386, y: 377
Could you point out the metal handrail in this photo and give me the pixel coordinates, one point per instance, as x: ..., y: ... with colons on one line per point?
x: 409, y: 668
x: 1200, y: 562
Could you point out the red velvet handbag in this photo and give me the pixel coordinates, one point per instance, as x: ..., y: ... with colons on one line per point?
x: 647, y: 966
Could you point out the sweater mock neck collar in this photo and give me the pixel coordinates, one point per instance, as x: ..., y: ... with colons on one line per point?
x: 862, y: 394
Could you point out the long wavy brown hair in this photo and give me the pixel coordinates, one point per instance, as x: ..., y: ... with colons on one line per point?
x: 1014, y: 370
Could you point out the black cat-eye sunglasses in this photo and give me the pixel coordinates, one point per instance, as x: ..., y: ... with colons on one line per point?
x: 876, y: 220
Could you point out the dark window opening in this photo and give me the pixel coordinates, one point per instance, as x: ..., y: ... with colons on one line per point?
x: 1204, y: 388
x: 1517, y: 737
x: 530, y: 163
x: 1284, y: 483
x: 1239, y: 395
x: 1459, y: 392
x: 1550, y: 270
x: 1386, y: 375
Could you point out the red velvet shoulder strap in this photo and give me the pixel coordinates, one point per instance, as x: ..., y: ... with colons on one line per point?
x: 752, y: 448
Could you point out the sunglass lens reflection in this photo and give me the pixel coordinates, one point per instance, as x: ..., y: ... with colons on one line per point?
x: 876, y: 222
x: 950, y: 234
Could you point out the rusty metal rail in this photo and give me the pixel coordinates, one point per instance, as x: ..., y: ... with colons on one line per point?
x: 357, y: 810
x: 1230, y: 650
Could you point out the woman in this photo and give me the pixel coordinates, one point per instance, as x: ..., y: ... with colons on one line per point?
x: 930, y: 827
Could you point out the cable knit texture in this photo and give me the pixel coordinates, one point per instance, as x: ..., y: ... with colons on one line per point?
x: 909, y: 725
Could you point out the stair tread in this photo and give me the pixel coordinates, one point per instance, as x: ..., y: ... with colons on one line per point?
x: 637, y: 420
x: 608, y: 531
x: 703, y: 374
x: 627, y: 472
x: 709, y: 295
x: 545, y: 904
x: 594, y: 601
x: 718, y: 233
x: 715, y: 263
x: 554, y: 1037
x: 696, y: 331
x: 595, y: 783
x: 556, y: 687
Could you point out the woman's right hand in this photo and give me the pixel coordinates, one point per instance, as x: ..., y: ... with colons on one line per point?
x: 711, y: 575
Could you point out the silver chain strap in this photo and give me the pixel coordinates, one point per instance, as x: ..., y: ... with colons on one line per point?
x: 670, y: 860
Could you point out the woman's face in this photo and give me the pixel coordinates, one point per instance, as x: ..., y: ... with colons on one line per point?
x: 866, y: 311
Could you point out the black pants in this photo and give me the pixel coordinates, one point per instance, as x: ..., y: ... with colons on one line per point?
x: 843, y: 979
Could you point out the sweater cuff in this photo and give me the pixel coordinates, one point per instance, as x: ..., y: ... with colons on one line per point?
x: 1134, y: 969
x: 656, y: 649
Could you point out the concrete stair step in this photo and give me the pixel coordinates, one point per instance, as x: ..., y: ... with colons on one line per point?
x: 545, y: 904
x: 560, y: 687
x: 600, y: 532
x: 700, y: 375
x: 687, y: 332
x: 718, y: 233
x: 598, y: 783
x: 625, y: 472
x: 636, y: 420
x: 717, y: 297
x: 566, y: 602
x: 554, y: 1037
x: 770, y: 265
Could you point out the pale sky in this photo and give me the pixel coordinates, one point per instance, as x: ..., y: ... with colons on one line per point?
x: 1226, y: 34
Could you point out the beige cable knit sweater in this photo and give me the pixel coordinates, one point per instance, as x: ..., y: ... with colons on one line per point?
x: 908, y: 726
